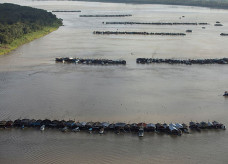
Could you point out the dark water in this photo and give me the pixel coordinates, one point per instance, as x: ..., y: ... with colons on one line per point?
x: 32, y: 85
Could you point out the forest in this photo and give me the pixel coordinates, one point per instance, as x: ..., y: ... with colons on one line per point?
x: 17, y: 21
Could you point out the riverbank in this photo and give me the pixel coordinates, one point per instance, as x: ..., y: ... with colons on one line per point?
x: 6, y: 48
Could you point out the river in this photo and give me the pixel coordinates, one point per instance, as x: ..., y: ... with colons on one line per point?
x: 32, y: 85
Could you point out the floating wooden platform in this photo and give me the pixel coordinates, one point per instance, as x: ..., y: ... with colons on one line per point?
x: 71, y: 125
x: 137, y: 33
x: 179, y: 61
x: 123, y: 15
x: 155, y: 23
x: 90, y: 61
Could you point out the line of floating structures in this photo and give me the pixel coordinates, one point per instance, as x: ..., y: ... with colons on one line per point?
x: 66, y: 11
x: 91, y: 61
x: 124, y: 15
x: 155, y: 23
x: 224, y: 34
x: 176, y: 129
x: 179, y: 61
x: 137, y: 33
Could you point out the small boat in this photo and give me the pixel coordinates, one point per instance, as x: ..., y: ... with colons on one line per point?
x: 42, y: 128
x: 141, y: 132
x: 226, y: 94
x: 90, y: 130
x: 64, y: 129
x: 76, y: 129
x: 101, y: 131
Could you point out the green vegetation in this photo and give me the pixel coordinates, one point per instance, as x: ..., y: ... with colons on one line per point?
x: 19, y: 25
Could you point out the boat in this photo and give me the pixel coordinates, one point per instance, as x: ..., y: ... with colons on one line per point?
x: 65, y: 129
x: 141, y: 132
x: 226, y: 94
x: 76, y: 129
x: 42, y: 128
x: 90, y: 130
x: 101, y: 131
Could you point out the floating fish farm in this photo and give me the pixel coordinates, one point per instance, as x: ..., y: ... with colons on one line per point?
x: 120, y: 127
x: 66, y: 11
x: 154, y: 23
x: 91, y: 61
x: 179, y: 61
x: 125, y: 15
x: 137, y: 33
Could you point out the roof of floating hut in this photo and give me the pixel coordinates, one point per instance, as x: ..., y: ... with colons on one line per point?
x: 150, y: 125
x: 133, y: 125
x: 120, y: 124
x: 89, y: 123
x: 70, y: 123
x: 172, y: 127
x: 178, y: 125
x: 111, y: 126
x: 83, y: 123
x: 141, y: 124
x: 105, y: 124
x: 97, y: 124
x: 2, y: 123
x: 46, y: 122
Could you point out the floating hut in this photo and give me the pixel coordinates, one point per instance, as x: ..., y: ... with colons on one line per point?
x: 90, y: 61
x: 156, y: 23
x: 123, y: 15
x: 174, y: 129
x: 137, y: 33
x: 179, y: 61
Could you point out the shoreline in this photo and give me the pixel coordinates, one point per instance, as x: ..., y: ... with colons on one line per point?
x: 7, y: 48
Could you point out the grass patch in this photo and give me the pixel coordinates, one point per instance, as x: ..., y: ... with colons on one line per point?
x: 6, y: 48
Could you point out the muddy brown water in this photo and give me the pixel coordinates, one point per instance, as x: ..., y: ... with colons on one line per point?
x: 32, y: 85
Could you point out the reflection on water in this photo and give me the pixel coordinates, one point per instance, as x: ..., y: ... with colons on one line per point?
x: 32, y: 85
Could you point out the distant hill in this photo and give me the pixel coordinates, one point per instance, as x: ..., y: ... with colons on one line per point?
x: 221, y: 4
x: 16, y: 21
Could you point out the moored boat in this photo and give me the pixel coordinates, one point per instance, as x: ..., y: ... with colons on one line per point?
x: 141, y: 132
x: 101, y: 131
x: 42, y: 128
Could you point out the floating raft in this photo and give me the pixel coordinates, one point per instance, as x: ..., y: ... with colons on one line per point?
x: 125, y: 15
x: 154, y: 23
x: 91, y: 61
x: 178, y: 61
x: 224, y: 34
x: 66, y: 11
x: 118, y: 127
x: 226, y: 94
x: 137, y: 33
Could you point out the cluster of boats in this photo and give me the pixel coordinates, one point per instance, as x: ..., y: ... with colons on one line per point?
x: 179, y: 61
x: 90, y: 61
x: 123, y: 15
x: 155, y: 23
x: 137, y: 33
x: 120, y: 127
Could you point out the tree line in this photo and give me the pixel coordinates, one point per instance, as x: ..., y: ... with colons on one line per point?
x: 16, y: 21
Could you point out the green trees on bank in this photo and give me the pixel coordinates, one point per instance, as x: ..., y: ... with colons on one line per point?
x: 16, y: 21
